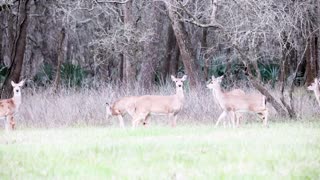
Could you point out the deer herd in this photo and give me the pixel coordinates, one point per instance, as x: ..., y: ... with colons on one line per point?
x: 232, y: 104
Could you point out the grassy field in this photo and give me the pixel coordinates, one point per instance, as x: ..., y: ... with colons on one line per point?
x: 283, y: 151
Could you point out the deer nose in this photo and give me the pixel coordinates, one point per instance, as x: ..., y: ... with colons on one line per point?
x: 179, y: 85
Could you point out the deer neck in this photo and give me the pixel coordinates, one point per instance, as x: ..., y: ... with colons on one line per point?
x: 17, y: 100
x: 179, y: 93
x: 218, y: 94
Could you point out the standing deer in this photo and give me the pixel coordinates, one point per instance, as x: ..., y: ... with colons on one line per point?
x: 9, y: 106
x: 234, y: 103
x: 234, y: 92
x: 120, y: 107
x: 160, y: 105
x: 316, y: 89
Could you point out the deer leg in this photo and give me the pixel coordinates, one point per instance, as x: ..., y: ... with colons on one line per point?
x: 121, y: 120
x: 137, y: 119
x: 265, y: 118
x: 238, y: 118
x: 225, y: 121
x: 232, y: 118
x: 222, y: 115
x: 145, y: 122
x: 7, y: 123
x: 134, y: 121
x: 173, y: 120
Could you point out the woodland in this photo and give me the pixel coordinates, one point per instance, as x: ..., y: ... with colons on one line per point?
x: 270, y: 45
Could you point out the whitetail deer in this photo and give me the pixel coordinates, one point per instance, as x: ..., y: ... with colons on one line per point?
x: 9, y: 106
x: 160, y: 105
x: 316, y: 89
x: 234, y: 103
x: 120, y: 107
x: 232, y: 92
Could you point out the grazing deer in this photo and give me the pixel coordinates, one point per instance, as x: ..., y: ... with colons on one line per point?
x: 9, y: 106
x: 160, y: 105
x: 120, y: 107
x: 233, y: 92
x: 316, y: 89
x: 234, y: 103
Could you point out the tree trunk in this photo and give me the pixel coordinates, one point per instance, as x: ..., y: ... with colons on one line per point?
x: 1, y: 37
x: 204, y: 45
x: 60, y: 53
x: 256, y: 84
x: 147, y: 73
x: 311, y: 60
x: 185, y: 46
x: 170, y: 53
x: 128, y: 61
x: 18, y: 49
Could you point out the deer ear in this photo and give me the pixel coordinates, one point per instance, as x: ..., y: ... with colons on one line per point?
x: 184, y: 77
x: 21, y: 83
x: 220, y: 78
x: 13, y: 84
x: 173, y: 78
x: 213, y: 78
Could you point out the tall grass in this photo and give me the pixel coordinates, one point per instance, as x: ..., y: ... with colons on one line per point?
x: 86, y: 106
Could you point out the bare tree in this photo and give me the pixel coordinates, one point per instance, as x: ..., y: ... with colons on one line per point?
x: 18, y: 47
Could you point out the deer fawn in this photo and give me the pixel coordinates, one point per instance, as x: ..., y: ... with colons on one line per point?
x: 234, y: 103
x: 120, y: 107
x: 232, y: 92
x: 9, y: 106
x: 160, y: 105
x: 315, y: 88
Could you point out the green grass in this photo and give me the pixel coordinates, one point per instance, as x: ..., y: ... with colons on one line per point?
x: 283, y: 151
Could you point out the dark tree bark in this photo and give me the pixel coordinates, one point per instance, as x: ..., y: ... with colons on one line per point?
x: 18, y: 49
x: 148, y: 70
x: 204, y: 44
x: 170, y: 66
x: 60, y: 53
x: 185, y: 46
x: 128, y: 61
x: 311, y: 60
x: 1, y: 37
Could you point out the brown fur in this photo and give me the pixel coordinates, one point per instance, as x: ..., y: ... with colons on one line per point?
x: 233, y: 103
x: 122, y: 106
x: 163, y: 105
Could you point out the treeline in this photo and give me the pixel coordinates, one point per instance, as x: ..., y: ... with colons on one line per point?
x: 125, y: 42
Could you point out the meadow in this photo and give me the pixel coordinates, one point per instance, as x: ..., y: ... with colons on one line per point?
x: 286, y: 150
x: 65, y: 135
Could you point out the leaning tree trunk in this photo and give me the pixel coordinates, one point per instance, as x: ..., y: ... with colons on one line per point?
x: 18, y: 49
x: 185, y: 46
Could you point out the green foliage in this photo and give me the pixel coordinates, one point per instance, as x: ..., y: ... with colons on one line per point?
x: 45, y: 76
x: 72, y: 75
x: 3, y: 73
x: 269, y: 72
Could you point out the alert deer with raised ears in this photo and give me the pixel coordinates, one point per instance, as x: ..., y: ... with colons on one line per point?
x: 316, y: 89
x: 232, y: 92
x: 9, y: 106
x: 235, y: 103
x: 160, y: 105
